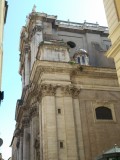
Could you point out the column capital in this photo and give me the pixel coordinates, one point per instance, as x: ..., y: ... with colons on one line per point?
x: 27, y: 48
x: 75, y: 92
x: 70, y: 91
x: 33, y: 111
x: 25, y: 121
x: 47, y: 90
x: 37, y: 28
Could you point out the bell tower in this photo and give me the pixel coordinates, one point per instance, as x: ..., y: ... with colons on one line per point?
x: 70, y: 98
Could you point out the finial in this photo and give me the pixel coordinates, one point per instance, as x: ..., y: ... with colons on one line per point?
x: 34, y: 8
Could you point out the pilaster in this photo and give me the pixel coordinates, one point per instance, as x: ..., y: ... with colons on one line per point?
x: 77, y: 115
x: 27, y: 63
x: 71, y: 139
x: 26, y: 138
x: 34, y: 130
x: 49, y: 128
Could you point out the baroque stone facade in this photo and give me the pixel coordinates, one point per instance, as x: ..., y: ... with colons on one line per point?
x: 69, y: 107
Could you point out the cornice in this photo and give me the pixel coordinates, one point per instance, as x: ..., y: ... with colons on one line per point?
x: 41, y: 67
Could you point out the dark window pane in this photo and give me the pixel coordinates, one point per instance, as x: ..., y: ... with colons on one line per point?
x: 103, y: 113
x: 78, y: 60
x: 59, y: 111
x: 61, y: 144
x: 83, y: 59
x: 71, y: 44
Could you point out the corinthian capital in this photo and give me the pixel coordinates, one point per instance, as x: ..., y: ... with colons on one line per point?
x: 37, y: 28
x: 48, y: 90
x: 70, y: 91
x: 67, y: 90
x: 75, y: 92
x: 25, y: 121
x: 33, y: 111
x: 27, y: 48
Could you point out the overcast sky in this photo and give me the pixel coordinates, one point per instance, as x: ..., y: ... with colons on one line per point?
x: 74, y: 10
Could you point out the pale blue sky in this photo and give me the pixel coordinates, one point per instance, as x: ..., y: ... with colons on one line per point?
x: 74, y: 10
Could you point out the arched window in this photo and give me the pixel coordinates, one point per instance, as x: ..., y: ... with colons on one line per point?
x: 81, y: 57
x: 78, y: 60
x: 103, y: 113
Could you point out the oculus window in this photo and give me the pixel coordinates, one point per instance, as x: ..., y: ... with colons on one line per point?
x: 71, y: 44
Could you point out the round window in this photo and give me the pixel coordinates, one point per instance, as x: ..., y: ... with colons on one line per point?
x: 71, y: 44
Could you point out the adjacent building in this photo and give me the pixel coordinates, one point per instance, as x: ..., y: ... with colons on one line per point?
x: 69, y: 107
x: 3, y: 14
x: 112, y: 9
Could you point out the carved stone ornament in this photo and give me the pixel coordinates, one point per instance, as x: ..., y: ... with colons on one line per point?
x: 75, y: 92
x: 67, y: 90
x: 36, y: 143
x: 48, y: 90
x: 37, y: 28
x: 33, y: 111
x: 27, y: 48
x: 26, y: 121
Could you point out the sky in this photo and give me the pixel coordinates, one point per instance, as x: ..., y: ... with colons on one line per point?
x: 74, y: 10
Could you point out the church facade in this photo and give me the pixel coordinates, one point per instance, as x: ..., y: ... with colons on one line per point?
x: 69, y: 107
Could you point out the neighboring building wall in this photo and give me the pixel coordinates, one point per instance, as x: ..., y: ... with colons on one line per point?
x: 69, y: 108
x: 3, y: 11
x: 112, y: 9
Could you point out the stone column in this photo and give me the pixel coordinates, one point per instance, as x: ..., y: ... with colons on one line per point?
x: 71, y: 140
x: 79, y: 135
x: 26, y: 139
x: 26, y: 69
x: 23, y: 79
x: 49, y: 128
x: 21, y: 147
x: 17, y: 148
x: 36, y: 38
x: 27, y: 64
x: 34, y: 131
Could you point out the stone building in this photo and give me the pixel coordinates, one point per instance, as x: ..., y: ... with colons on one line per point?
x: 3, y: 14
x: 69, y: 107
x: 112, y: 9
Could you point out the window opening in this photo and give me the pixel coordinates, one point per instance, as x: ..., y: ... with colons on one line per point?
x: 61, y: 144
x: 78, y: 60
x: 71, y: 44
x: 59, y: 111
x: 83, y: 59
x: 103, y: 113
